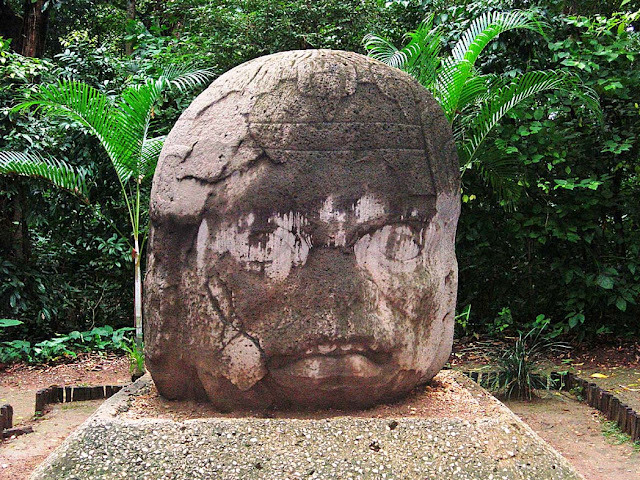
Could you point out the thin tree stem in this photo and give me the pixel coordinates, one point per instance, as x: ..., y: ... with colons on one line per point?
x: 137, y: 293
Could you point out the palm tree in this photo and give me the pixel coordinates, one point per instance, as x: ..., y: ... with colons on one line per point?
x: 122, y: 127
x: 475, y: 103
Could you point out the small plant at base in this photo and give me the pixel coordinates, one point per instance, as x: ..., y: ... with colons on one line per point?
x: 136, y: 357
x: 502, y: 322
x: 577, y: 392
x: 519, y: 374
x: 462, y: 319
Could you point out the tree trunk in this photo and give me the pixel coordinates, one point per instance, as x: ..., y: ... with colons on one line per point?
x: 10, y: 25
x: 131, y: 16
x: 34, y: 28
x: 137, y: 294
x: 31, y: 42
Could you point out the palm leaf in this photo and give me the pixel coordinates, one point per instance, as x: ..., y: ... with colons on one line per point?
x: 459, y: 68
x: 517, y: 91
x: 151, y: 149
x: 420, y: 57
x: 478, y: 89
x: 423, y: 59
x: 383, y: 50
x: 134, y: 110
x: 96, y: 112
x: 500, y: 169
x: 452, y: 77
x: 54, y: 171
x: 184, y: 77
x: 487, y: 27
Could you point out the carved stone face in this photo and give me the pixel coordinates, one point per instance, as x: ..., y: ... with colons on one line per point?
x: 303, y: 225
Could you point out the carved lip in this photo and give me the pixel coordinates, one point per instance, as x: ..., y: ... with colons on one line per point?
x: 330, y: 352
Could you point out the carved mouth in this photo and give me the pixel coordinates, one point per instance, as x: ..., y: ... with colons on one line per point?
x: 331, y: 350
x: 330, y: 363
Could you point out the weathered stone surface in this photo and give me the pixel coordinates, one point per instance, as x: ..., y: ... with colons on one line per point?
x: 303, y: 217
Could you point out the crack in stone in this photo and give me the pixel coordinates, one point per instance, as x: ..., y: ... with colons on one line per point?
x: 230, y: 323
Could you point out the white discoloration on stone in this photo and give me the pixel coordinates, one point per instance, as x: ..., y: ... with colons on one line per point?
x: 329, y: 215
x: 201, y: 244
x: 245, y: 366
x: 335, y: 220
x: 278, y: 252
x: 326, y: 348
x: 368, y: 208
x: 339, y: 238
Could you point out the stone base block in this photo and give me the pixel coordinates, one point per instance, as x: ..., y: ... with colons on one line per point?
x: 452, y: 429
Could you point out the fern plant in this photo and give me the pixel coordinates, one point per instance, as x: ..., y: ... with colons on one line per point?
x: 122, y: 127
x: 475, y: 103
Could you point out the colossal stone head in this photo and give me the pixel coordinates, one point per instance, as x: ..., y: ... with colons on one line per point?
x: 303, y: 218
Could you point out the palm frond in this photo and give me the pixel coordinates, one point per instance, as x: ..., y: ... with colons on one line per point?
x: 54, y: 171
x: 459, y: 68
x: 517, y: 91
x: 423, y: 58
x: 383, y: 50
x: 448, y: 88
x: 92, y: 109
x: 420, y: 57
x: 134, y: 110
x: 500, y: 169
x: 487, y: 27
x: 185, y: 77
x: 151, y: 149
x: 478, y: 89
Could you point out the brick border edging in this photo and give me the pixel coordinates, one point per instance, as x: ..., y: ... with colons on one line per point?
x: 66, y: 394
x: 6, y: 417
x: 602, y: 400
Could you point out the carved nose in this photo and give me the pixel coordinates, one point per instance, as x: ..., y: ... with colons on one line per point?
x: 330, y: 280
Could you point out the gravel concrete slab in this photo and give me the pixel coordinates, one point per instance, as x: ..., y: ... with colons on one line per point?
x: 496, y: 446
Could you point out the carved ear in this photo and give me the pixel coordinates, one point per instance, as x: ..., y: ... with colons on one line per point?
x: 243, y: 362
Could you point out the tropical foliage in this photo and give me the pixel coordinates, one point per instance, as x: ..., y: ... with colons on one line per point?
x: 567, y: 250
x: 474, y: 102
x: 121, y: 126
x: 102, y: 339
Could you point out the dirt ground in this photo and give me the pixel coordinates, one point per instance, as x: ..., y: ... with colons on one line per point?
x: 575, y: 430
x: 444, y: 397
x: 571, y: 427
x: 18, y: 386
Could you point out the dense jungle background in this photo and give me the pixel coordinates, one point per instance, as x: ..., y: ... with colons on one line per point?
x: 554, y: 241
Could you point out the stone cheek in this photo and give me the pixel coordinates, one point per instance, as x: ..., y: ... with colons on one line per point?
x: 303, y: 224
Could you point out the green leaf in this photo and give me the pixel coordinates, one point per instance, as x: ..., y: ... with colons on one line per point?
x: 621, y: 303
x: 605, y: 282
x: 9, y: 322
x: 568, y: 276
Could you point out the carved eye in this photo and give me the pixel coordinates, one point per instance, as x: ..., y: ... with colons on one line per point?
x: 402, y: 243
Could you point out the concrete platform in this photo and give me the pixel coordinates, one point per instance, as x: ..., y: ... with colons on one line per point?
x: 450, y: 430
